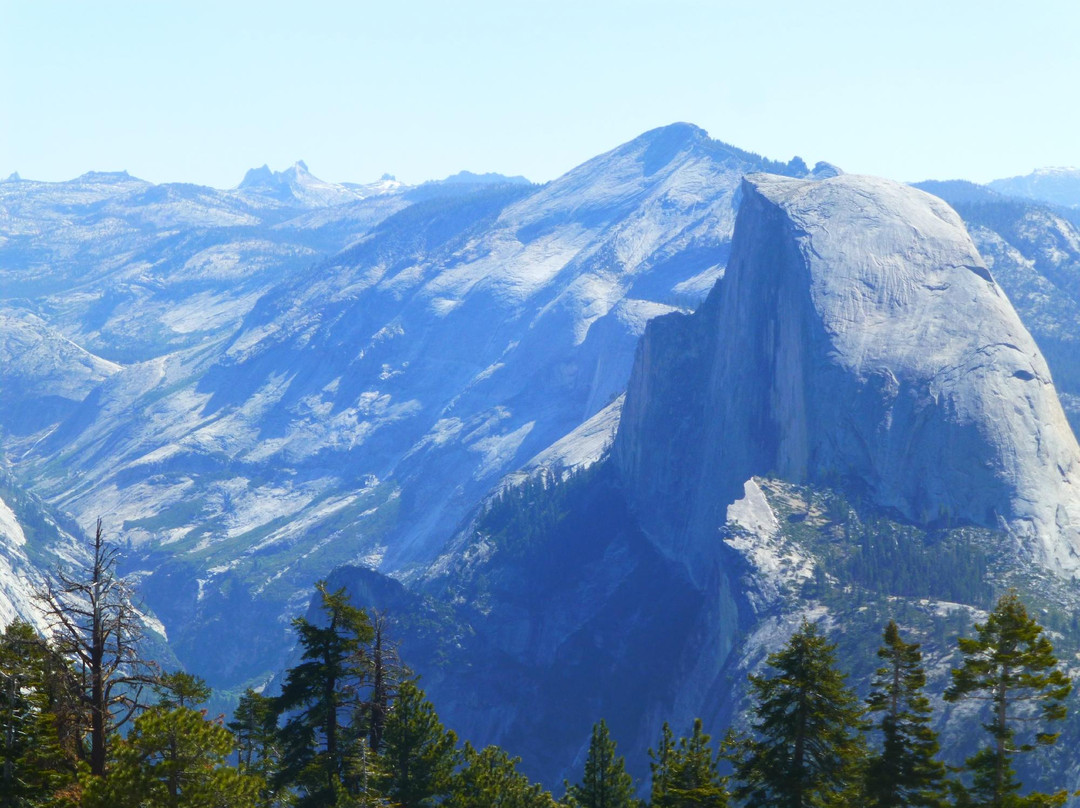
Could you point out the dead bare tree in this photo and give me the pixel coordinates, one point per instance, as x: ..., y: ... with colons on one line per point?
x: 92, y: 621
x: 386, y: 672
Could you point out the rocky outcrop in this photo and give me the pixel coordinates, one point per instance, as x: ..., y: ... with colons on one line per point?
x: 857, y: 339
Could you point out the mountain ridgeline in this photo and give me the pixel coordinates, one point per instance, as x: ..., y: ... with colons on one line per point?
x: 835, y: 408
x: 254, y: 386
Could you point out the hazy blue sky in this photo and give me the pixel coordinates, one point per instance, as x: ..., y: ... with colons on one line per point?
x: 200, y: 92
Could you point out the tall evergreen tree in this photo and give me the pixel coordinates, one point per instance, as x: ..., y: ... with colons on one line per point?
x: 906, y: 771
x: 254, y: 727
x: 419, y: 756
x: 605, y: 783
x: 691, y: 779
x: 660, y: 760
x: 316, y: 700
x: 807, y: 749
x: 1009, y: 665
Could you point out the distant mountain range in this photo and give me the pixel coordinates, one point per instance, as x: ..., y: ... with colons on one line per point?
x: 255, y: 414
x: 1058, y: 186
x: 260, y: 386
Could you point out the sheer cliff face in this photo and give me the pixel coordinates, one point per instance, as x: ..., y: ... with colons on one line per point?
x: 856, y: 339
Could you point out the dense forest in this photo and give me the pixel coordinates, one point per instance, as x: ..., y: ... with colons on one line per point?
x: 87, y: 720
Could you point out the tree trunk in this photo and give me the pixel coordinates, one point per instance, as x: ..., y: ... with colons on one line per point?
x: 378, y: 689
x: 1001, y: 720
x: 98, y: 707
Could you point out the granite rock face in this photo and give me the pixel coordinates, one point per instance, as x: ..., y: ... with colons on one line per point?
x: 857, y: 339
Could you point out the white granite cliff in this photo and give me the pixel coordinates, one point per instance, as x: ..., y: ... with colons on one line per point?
x: 856, y: 339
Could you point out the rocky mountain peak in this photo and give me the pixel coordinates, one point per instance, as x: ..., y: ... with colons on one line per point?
x: 823, y: 170
x: 264, y: 177
x: 295, y: 185
x: 257, y: 177
x: 857, y: 338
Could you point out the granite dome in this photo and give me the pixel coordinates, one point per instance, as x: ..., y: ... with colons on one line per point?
x: 857, y: 338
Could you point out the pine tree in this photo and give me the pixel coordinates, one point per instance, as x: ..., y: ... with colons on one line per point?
x: 316, y: 699
x: 254, y: 727
x: 172, y: 758
x: 489, y: 779
x: 181, y: 689
x: 660, y: 764
x: 690, y: 778
x: 38, y: 719
x: 807, y: 750
x: 906, y: 771
x: 1011, y: 666
x: 606, y: 783
x: 419, y: 756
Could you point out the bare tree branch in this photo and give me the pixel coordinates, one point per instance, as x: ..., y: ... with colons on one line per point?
x: 94, y: 623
